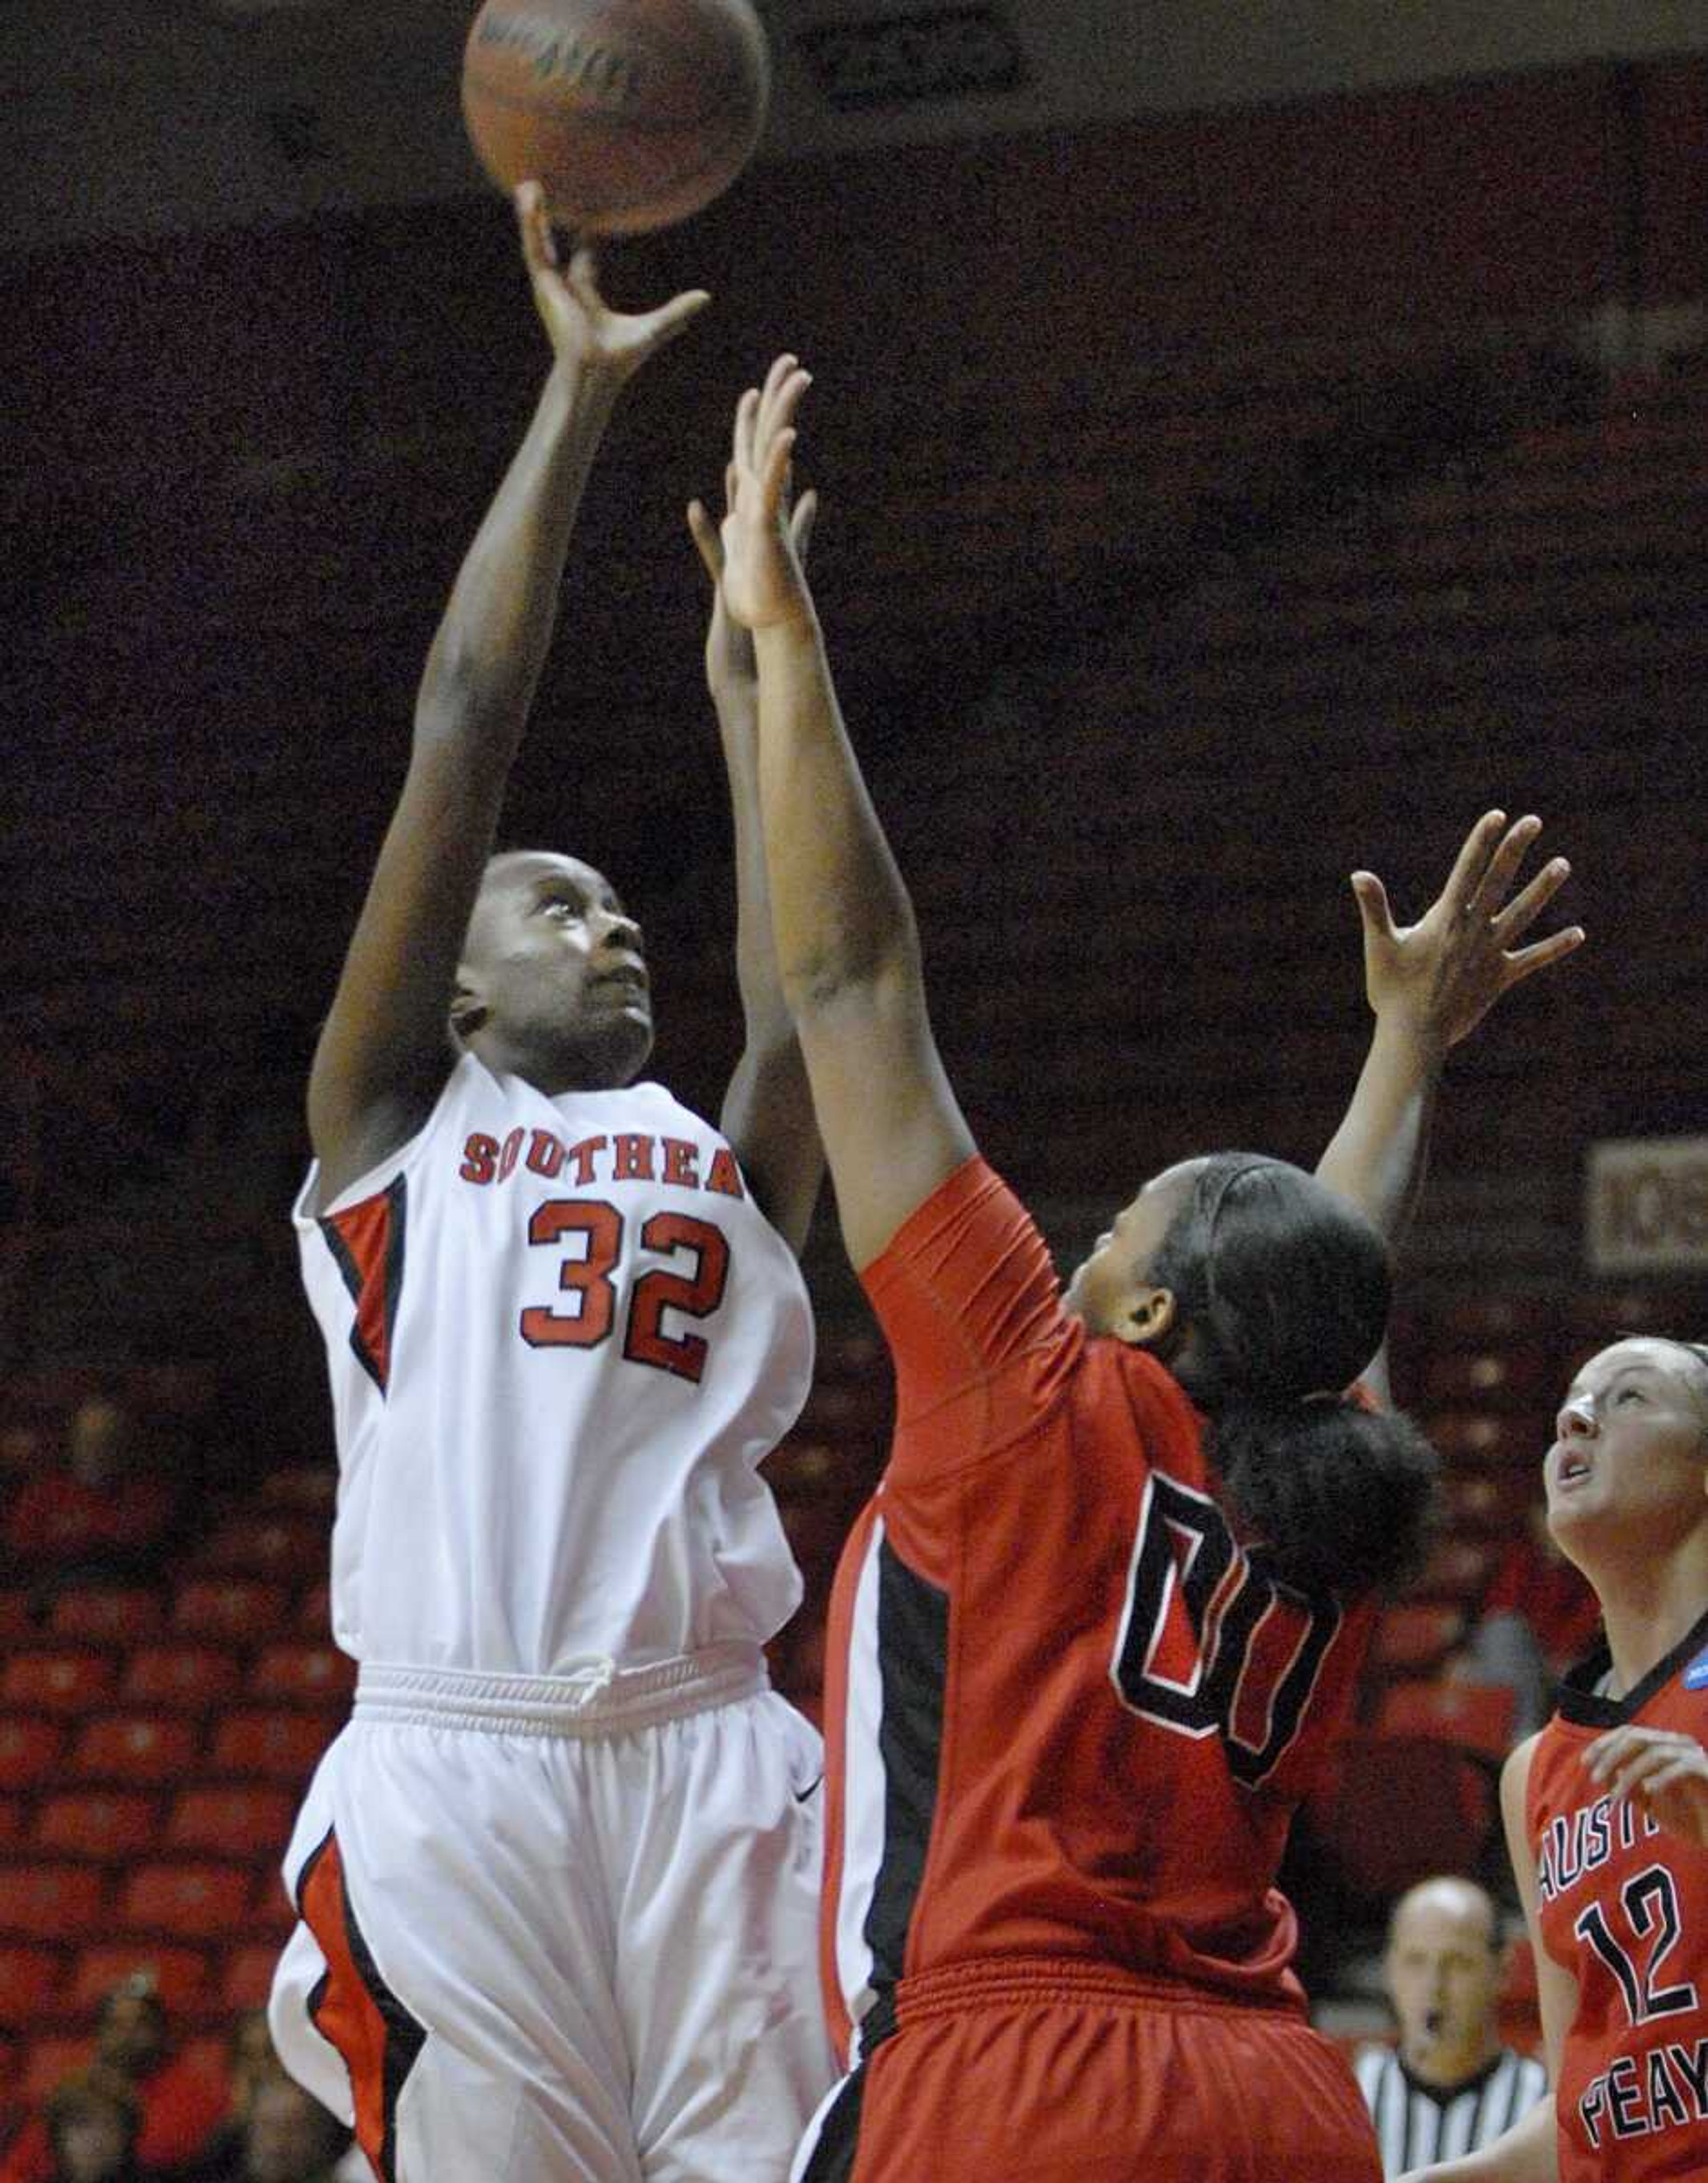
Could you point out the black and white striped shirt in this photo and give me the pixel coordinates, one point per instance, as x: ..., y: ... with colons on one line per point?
x: 1417, y: 2123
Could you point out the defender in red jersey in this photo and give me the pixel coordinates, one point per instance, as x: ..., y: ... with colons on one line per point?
x: 1606, y: 1808
x: 1094, y: 1633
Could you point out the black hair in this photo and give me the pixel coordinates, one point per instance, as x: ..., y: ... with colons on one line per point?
x: 1282, y: 1291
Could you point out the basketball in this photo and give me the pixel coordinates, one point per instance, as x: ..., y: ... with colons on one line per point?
x: 631, y: 113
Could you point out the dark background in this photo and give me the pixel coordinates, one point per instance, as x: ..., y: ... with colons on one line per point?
x: 1213, y: 502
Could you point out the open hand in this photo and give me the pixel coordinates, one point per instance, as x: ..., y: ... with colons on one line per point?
x: 588, y: 338
x: 1446, y: 971
x: 762, y: 582
x: 1663, y: 1772
x: 729, y: 660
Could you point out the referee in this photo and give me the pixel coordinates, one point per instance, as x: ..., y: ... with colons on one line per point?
x: 1451, y: 2087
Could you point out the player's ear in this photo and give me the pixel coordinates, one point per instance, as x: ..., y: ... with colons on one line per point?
x: 1148, y: 1318
x: 468, y: 1010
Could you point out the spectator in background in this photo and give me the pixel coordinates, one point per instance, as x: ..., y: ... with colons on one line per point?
x: 107, y: 1511
x: 252, y: 2060
x: 286, y: 2135
x: 1450, y: 2087
x: 92, y: 2135
x: 179, y: 2105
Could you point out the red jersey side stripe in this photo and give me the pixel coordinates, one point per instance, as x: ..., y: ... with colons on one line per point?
x: 356, y: 2011
x: 366, y: 1241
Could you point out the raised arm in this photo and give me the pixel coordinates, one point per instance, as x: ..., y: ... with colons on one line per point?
x: 847, y: 947
x: 768, y: 1110
x: 1429, y: 985
x: 384, y: 1049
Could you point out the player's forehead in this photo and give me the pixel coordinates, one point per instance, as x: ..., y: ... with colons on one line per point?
x: 1648, y: 1357
x: 522, y: 875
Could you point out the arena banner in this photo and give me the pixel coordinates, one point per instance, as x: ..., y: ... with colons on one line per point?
x: 1645, y: 1205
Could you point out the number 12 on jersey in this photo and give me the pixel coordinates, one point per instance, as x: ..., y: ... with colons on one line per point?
x: 694, y: 1290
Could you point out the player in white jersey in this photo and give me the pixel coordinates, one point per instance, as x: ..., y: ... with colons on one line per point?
x: 557, y: 1879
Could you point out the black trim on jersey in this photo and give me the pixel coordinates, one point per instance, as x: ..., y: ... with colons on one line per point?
x: 912, y: 1662
x: 1577, y: 1699
x: 832, y: 2156
x: 396, y: 1199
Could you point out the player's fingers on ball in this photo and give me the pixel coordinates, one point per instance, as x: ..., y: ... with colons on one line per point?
x: 535, y: 228
x: 582, y: 276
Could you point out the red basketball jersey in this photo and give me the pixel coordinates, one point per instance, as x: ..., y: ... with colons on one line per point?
x: 1624, y: 1907
x: 1067, y: 1713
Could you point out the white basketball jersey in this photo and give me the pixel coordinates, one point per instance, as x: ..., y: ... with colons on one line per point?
x: 561, y: 1336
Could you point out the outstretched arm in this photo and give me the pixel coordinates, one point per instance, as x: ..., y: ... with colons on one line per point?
x: 847, y: 947
x: 384, y: 1051
x: 768, y: 1110
x: 1429, y: 985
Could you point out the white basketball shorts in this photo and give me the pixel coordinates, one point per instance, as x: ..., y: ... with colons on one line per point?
x: 563, y: 1931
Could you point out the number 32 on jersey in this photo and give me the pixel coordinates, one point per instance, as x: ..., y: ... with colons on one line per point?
x: 1211, y: 1643
x: 587, y: 1236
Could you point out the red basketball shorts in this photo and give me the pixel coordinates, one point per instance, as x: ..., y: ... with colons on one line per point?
x: 1034, y: 2072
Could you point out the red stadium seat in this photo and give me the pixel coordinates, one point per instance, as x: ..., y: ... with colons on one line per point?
x: 1505, y: 1375
x: 180, y: 1973
x: 31, y: 1977
x: 232, y: 1819
x: 55, y: 1901
x: 48, y: 2060
x: 1489, y: 1503
x: 30, y: 1748
x: 17, y: 1616
x: 12, y: 1810
x: 237, y: 1610
x: 107, y: 1824
x: 1395, y: 1809
x: 108, y: 1615
x: 195, y: 1899
x: 310, y: 1490
x: 1476, y: 1716
x: 313, y: 1617
x: 246, y: 1978
x: 1457, y: 1568
x: 193, y: 1676
x: 1518, y: 1439
x: 143, y: 1748
x: 280, y: 1743
x: 64, y: 1678
x: 307, y: 1672
x: 278, y: 1544
x: 1414, y: 1639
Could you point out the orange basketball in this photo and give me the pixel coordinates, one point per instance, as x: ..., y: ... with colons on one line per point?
x: 631, y: 114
